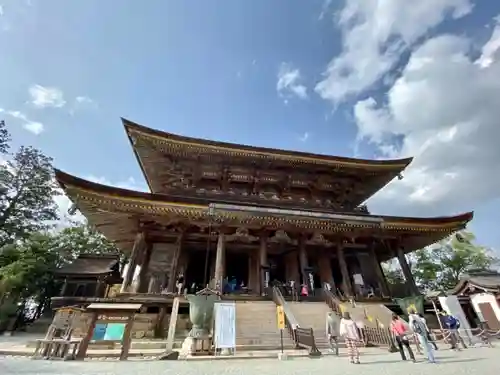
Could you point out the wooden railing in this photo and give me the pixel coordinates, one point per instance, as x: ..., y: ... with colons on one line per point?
x: 302, y: 337
x: 332, y: 301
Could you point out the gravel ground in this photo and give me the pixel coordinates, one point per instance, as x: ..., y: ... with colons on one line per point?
x: 472, y: 361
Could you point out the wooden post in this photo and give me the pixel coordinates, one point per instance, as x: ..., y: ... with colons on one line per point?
x: 325, y: 268
x: 262, y: 263
x: 303, y: 261
x: 173, y: 265
x: 63, y: 289
x: 127, y: 337
x: 382, y: 281
x: 138, y: 244
x: 172, y: 324
x: 410, y: 281
x: 84, y: 345
x: 346, y: 279
x: 219, y: 261
x: 143, y: 273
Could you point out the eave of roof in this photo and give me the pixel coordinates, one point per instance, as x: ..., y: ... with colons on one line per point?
x: 398, y: 164
x: 160, y: 203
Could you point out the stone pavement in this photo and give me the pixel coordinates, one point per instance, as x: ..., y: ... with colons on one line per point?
x: 473, y: 361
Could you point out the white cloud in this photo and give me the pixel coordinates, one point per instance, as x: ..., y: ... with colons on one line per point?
x: 374, y: 35
x: 445, y: 108
x: 34, y: 127
x: 1, y: 10
x: 42, y: 97
x: 304, y: 137
x: 289, y: 82
x: 82, y: 103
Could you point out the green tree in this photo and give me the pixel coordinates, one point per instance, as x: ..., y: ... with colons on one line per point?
x: 441, y: 267
x: 4, y: 138
x: 27, y: 189
x: 27, y: 267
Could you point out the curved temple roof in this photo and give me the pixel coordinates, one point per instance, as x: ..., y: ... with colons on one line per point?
x: 108, y: 206
x: 133, y: 128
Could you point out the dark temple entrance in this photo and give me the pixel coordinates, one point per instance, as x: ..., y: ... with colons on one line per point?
x: 277, y: 268
x: 195, y: 270
x: 237, y: 267
x: 337, y: 274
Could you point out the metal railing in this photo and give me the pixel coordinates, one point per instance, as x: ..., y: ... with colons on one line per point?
x: 302, y: 337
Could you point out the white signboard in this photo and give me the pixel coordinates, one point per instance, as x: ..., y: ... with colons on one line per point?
x: 358, y: 279
x: 452, y: 306
x: 225, y: 325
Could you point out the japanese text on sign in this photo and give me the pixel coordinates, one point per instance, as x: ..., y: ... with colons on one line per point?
x: 280, y: 315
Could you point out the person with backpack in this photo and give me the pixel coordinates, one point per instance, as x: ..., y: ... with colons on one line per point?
x: 419, y: 328
x: 453, y: 324
x: 428, y: 331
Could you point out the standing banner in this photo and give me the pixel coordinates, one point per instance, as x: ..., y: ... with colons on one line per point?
x: 225, y: 325
x: 411, y: 303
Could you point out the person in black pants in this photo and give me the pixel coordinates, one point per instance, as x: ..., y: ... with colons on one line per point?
x: 398, y: 328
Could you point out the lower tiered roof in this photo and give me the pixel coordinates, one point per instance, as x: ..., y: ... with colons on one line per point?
x: 120, y: 214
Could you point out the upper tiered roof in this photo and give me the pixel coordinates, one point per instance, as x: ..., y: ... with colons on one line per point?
x: 196, y: 167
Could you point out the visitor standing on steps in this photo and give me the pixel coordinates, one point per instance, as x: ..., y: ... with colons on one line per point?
x: 349, y: 331
x: 398, y: 329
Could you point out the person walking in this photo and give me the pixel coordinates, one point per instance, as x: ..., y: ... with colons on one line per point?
x: 349, y: 331
x: 428, y: 331
x: 453, y: 324
x: 419, y: 328
x: 398, y: 329
x: 332, y: 331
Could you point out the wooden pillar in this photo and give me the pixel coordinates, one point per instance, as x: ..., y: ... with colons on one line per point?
x: 143, y: 273
x: 410, y: 281
x: 262, y: 263
x: 303, y: 260
x: 346, y: 278
x: 98, y: 288
x: 295, y: 268
x: 64, y: 288
x: 173, y: 265
x: 136, y: 249
x: 219, y: 261
x: 382, y: 281
x: 253, y: 276
x: 325, y: 268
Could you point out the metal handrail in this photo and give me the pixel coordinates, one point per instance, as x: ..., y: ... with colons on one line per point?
x: 281, y: 301
x: 302, y: 337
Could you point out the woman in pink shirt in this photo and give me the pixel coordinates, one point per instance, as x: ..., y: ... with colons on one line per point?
x: 398, y: 329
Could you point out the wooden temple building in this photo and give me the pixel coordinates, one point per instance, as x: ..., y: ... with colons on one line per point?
x: 257, y: 215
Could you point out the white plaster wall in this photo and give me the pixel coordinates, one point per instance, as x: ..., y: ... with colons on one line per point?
x: 476, y: 299
x: 451, y: 305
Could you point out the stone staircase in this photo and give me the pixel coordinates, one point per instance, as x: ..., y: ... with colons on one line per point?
x: 257, y: 327
x: 312, y: 315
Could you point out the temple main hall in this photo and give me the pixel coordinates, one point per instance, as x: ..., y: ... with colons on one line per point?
x: 255, y: 216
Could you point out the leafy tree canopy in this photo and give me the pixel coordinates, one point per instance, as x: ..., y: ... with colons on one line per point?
x: 27, y: 189
x: 441, y: 266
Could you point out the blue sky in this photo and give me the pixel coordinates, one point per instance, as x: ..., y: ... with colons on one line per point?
x: 373, y: 79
